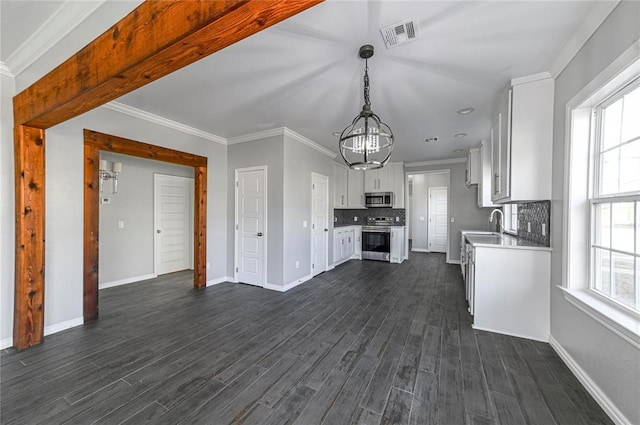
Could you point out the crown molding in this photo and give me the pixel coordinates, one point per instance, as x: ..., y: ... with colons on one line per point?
x: 435, y: 162
x: 4, y: 70
x: 531, y: 78
x: 282, y: 131
x: 598, y: 14
x: 305, y: 141
x: 156, y: 119
x: 62, y: 22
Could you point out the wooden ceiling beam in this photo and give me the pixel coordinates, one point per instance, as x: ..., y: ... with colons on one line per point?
x: 156, y: 39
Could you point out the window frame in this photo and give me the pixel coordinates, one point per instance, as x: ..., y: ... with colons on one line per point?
x: 596, y: 198
x: 577, y: 189
x: 508, y: 219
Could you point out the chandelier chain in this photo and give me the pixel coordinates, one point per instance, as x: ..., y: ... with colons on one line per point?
x: 367, y: 101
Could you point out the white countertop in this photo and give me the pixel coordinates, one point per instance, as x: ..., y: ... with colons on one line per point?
x: 496, y: 240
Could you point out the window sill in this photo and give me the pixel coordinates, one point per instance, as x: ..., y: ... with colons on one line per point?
x: 625, y: 324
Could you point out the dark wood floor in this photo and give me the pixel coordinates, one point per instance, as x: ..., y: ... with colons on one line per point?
x: 366, y: 343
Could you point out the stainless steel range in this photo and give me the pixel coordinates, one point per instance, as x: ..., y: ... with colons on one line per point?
x: 376, y: 239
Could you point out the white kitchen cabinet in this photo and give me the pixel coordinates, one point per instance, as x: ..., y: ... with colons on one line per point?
x: 484, y: 175
x: 344, y: 244
x: 473, y: 165
x: 379, y: 180
x: 522, y: 136
x: 355, y: 190
x: 357, y: 247
x: 397, y: 244
x: 398, y: 184
x: 508, y: 290
x: 339, y: 186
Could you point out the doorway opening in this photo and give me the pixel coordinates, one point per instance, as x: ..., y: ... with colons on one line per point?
x: 428, y: 211
x: 94, y: 143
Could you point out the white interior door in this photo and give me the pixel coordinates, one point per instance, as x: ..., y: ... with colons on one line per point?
x: 319, y: 223
x: 250, y: 225
x: 173, y: 219
x: 438, y: 234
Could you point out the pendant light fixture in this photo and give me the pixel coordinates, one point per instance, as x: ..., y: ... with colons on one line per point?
x: 366, y: 144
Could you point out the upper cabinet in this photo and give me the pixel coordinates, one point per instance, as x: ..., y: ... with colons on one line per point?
x: 355, y: 189
x: 521, y: 142
x: 389, y: 178
x: 473, y: 165
x: 339, y: 186
x: 484, y: 174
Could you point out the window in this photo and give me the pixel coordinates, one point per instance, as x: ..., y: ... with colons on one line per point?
x: 511, y: 218
x: 615, y: 200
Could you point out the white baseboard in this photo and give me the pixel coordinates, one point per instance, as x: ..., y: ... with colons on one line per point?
x: 601, y: 398
x: 420, y: 250
x: 63, y: 326
x: 284, y: 288
x: 480, y: 328
x: 220, y: 280
x: 127, y: 280
x: 331, y: 267
x: 453, y: 262
x: 6, y: 343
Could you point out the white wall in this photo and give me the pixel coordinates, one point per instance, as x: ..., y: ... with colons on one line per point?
x: 270, y: 152
x: 463, y: 205
x: 611, y: 363
x: 420, y: 206
x: 127, y: 254
x: 7, y: 225
x: 300, y: 161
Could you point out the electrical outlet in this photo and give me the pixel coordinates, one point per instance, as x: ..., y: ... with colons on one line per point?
x: 528, y: 227
x: 120, y: 224
x: 208, y: 265
x: 544, y: 229
x: 297, y: 264
x: 355, y: 218
x: 397, y: 219
x: 305, y: 224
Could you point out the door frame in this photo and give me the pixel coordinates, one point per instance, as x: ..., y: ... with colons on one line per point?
x: 155, y: 219
x: 429, y: 189
x: 94, y: 142
x: 326, y: 224
x: 447, y: 172
x: 265, y: 232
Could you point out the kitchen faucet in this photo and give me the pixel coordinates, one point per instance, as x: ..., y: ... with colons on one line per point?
x: 501, y: 219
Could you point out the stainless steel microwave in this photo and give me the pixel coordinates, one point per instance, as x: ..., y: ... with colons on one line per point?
x: 378, y: 199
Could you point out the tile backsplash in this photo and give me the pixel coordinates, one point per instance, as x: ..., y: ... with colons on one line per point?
x: 345, y: 217
x: 538, y: 214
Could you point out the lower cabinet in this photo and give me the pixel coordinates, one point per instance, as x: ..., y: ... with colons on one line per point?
x: 397, y: 244
x: 346, y: 243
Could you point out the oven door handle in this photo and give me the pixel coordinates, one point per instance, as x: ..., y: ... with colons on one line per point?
x: 376, y: 231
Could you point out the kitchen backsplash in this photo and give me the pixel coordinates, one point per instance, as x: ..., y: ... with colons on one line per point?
x: 536, y: 213
x: 345, y: 217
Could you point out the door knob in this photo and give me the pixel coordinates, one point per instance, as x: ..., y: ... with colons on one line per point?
x: 259, y: 233
x: 158, y: 231
x: 326, y: 230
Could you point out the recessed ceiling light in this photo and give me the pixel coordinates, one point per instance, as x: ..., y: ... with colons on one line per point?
x: 431, y: 139
x: 336, y: 133
x: 460, y: 135
x: 458, y: 151
x: 466, y: 111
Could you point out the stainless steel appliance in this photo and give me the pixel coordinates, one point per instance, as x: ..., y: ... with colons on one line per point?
x: 376, y: 239
x: 378, y: 199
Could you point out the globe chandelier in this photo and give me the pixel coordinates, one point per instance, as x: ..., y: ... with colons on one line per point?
x: 366, y: 143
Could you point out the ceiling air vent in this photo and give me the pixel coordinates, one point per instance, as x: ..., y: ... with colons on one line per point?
x: 399, y: 33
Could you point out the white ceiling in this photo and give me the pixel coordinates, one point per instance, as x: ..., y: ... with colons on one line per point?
x: 305, y: 73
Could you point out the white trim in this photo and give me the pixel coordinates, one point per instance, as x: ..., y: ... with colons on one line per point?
x: 219, y: 280
x: 530, y: 78
x: 623, y: 324
x: 63, y: 326
x: 453, y: 262
x: 285, y: 288
x: 600, y: 12
x: 64, y: 20
x: 601, y: 398
x: 165, y: 122
x: 119, y: 282
x: 420, y: 250
x: 435, y: 162
x: 4, y: 70
x: 6, y: 343
x: 431, y: 220
x: 281, y: 131
x: 517, y: 335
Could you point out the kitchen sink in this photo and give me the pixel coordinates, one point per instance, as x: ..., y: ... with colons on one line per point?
x: 484, y: 238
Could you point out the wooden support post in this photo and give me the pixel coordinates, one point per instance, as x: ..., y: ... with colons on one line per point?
x: 91, y: 231
x: 200, y: 228
x: 28, y: 324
